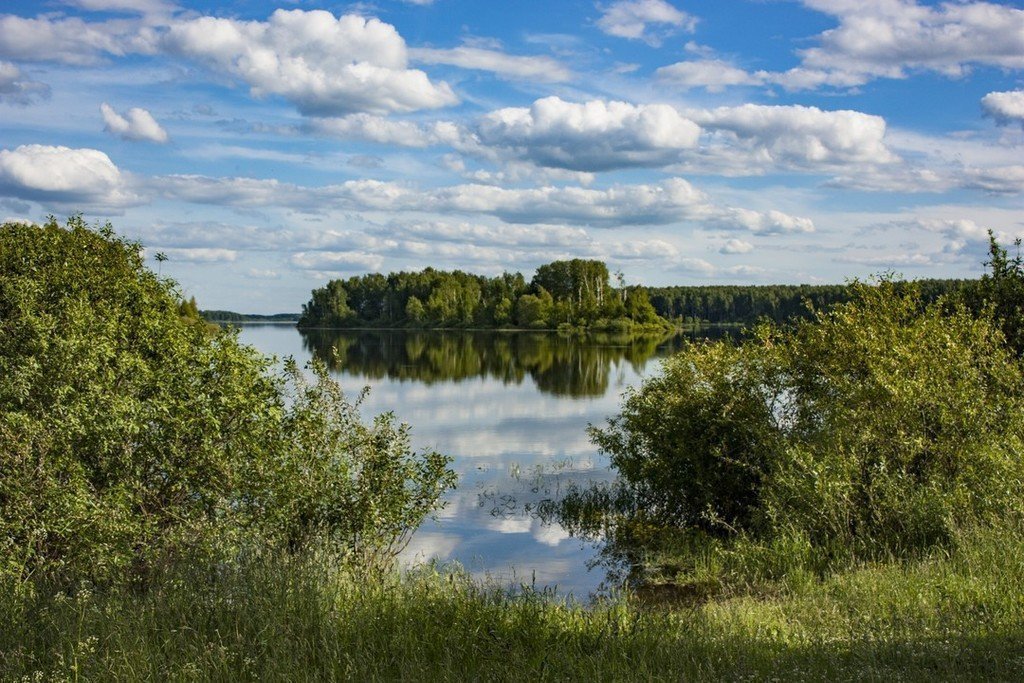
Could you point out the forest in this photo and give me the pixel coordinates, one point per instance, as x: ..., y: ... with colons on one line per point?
x: 746, y: 304
x: 564, y: 294
x: 573, y: 293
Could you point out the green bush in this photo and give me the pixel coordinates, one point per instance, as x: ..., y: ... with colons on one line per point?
x: 874, y: 429
x: 131, y: 435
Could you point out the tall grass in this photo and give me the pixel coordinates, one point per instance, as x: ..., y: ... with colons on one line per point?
x: 943, y: 617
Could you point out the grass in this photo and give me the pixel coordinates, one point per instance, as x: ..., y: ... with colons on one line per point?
x: 957, y: 616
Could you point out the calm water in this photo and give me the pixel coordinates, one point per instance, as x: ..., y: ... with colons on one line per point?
x: 512, y: 410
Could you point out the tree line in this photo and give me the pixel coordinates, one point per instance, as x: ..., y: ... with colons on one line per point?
x: 215, y: 316
x: 572, y: 293
x: 746, y: 304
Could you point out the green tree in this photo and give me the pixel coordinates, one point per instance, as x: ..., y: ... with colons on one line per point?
x: 875, y: 428
x: 638, y: 307
x: 130, y: 436
x: 1003, y: 288
x: 534, y: 310
x: 415, y: 311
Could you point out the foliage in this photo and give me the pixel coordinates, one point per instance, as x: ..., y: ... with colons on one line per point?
x: 1003, y: 289
x: 876, y: 428
x: 956, y: 616
x: 232, y: 317
x: 131, y: 434
x: 748, y: 304
x: 359, y: 487
x: 571, y: 293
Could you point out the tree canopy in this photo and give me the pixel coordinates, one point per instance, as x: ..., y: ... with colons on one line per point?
x: 573, y: 293
x: 131, y: 433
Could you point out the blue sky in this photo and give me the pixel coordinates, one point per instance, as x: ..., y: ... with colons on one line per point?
x: 266, y: 147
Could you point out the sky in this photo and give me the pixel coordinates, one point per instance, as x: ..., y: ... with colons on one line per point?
x: 267, y: 147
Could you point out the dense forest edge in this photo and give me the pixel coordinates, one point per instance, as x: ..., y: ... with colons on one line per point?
x: 565, y: 295
x: 839, y: 498
x: 215, y: 316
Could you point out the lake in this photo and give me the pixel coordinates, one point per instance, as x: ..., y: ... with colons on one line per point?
x: 512, y: 409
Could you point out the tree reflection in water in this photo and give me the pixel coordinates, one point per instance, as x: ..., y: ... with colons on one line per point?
x: 561, y: 365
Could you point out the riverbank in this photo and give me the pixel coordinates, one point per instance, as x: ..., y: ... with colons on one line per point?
x: 949, y: 616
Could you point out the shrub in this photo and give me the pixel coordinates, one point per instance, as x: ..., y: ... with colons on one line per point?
x: 131, y: 435
x: 875, y: 428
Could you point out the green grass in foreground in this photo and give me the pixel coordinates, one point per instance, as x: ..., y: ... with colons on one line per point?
x: 955, y: 617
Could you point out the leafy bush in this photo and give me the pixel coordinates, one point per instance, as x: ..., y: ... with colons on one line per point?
x: 360, y: 487
x: 876, y: 428
x: 131, y: 435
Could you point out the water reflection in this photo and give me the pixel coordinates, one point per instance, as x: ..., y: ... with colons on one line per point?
x: 557, y: 364
x: 512, y: 410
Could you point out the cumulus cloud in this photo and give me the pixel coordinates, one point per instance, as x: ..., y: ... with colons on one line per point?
x: 887, y: 38
x: 542, y: 235
x: 645, y: 20
x: 880, y: 39
x: 325, y: 65
x: 136, y: 124
x: 735, y: 246
x: 388, y: 131
x: 1005, y: 107
x: 80, y: 177
x: 518, y: 67
x: 16, y: 89
x: 201, y: 255
x: 801, y: 136
x: 72, y: 40
x: 761, y: 222
x: 599, y: 135
x: 995, y: 179
x: 712, y: 74
x: 337, y: 261
x: 592, y: 136
x: 670, y: 201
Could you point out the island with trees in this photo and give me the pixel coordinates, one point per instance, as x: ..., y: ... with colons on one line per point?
x: 573, y: 294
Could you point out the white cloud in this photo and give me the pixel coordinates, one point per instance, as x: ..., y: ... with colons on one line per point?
x: 82, y: 177
x: 712, y: 74
x: 887, y: 38
x: 888, y: 261
x: 801, y: 136
x: 72, y: 40
x: 136, y: 124
x: 669, y: 201
x: 139, y: 6
x: 637, y: 19
x: 326, y: 66
x: 529, y: 68
x: 735, y: 246
x: 644, y: 250
x: 262, y: 274
x: 391, y: 132
x: 201, y: 255
x: 592, y: 136
x: 542, y: 235
x: 16, y: 89
x: 995, y: 179
x: 337, y: 261
x: 1005, y: 107
x: 760, y: 222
